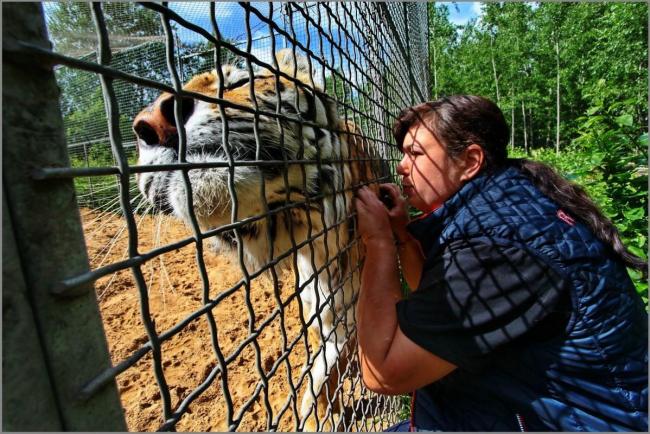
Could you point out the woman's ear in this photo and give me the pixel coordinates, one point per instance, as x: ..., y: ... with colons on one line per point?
x: 473, y: 158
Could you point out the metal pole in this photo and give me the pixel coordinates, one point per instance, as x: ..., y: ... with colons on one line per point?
x: 91, y: 201
x: 45, y: 222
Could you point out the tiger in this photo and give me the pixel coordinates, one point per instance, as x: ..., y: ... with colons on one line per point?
x: 310, y: 204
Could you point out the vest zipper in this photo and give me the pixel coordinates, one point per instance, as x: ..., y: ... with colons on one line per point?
x: 521, y: 422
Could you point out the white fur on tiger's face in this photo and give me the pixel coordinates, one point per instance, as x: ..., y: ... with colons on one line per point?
x: 304, y: 202
x: 278, y: 141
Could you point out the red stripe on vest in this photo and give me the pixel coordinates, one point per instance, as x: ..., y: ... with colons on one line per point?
x: 566, y: 218
x: 412, y: 422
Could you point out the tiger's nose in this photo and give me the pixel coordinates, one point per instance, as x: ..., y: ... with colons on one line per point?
x: 156, y: 124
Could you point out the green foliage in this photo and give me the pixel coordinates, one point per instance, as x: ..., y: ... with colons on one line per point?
x: 442, y: 39
x: 523, y: 52
x: 73, y: 32
x: 197, y: 57
x: 336, y: 87
x: 405, y: 407
x: 619, y: 159
x: 99, y: 191
x: 89, y: 122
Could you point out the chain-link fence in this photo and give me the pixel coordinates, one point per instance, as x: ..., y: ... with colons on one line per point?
x: 258, y: 159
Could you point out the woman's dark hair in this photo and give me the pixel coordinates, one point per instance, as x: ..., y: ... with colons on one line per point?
x: 461, y: 120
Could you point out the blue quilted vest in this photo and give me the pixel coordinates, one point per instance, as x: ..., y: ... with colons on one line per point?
x: 594, y: 376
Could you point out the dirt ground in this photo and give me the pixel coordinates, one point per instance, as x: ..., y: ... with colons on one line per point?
x: 175, y: 290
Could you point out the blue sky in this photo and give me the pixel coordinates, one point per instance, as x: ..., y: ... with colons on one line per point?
x: 230, y: 16
x: 231, y: 19
x: 461, y: 12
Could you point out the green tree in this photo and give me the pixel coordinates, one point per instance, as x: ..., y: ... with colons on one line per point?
x: 340, y: 91
x: 198, y: 57
x: 442, y: 39
x: 72, y: 29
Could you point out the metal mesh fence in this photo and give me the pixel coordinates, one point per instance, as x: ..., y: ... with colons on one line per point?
x: 270, y: 331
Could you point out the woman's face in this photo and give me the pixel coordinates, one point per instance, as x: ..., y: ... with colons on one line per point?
x: 429, y: 175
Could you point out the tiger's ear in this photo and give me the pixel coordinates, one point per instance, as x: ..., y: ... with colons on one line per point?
x: 290, y: 64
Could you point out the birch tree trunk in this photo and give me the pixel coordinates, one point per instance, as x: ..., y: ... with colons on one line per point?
x: 530, y: 126
x: 512, y: 121
x: 435, y: 69
x: 432, y: 42
x: 557, y: 97
x: 494, y: 70
x: 523, y: 113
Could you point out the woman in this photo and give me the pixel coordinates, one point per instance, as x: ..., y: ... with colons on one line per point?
x: 522, y: 315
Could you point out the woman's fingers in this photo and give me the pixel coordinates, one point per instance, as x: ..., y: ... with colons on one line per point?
x: 360, y: 204
x: 368, y: 196
x: 392, y: 189
x: 367, y: 203
x: 394, y: 192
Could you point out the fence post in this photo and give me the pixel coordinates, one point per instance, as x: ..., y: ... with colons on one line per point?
x: 49, y: 247
x: 24, y: 369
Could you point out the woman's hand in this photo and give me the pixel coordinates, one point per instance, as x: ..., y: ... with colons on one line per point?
x: 372, y: 218
x: 398, y: 214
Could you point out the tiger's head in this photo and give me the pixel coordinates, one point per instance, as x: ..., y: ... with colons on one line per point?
x: 308, y: 129
x: 277, y: 162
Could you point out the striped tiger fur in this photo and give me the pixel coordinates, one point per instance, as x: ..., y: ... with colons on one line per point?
x: 303, y: 199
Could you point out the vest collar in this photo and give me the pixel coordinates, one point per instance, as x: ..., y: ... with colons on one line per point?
x: 427, y: 228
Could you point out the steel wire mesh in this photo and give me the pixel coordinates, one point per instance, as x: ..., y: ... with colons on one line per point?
x: 371, y: 60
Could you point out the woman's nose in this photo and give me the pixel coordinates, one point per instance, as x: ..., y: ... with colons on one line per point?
x: 402, y: 166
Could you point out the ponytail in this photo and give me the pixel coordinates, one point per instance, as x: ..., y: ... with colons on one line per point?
x: 576, y: 201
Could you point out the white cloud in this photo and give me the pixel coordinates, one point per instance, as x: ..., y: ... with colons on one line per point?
x: 461, y: 13
x: 478, y: 9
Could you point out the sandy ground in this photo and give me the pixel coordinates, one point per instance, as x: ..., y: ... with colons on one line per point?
x: 175, y: 290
